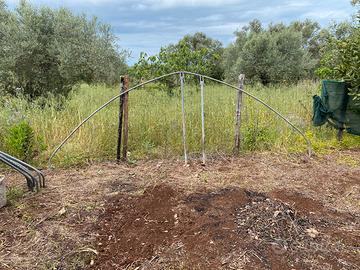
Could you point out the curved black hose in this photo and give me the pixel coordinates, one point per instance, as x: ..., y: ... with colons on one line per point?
x: 28, y: 166
x: 31, y: 180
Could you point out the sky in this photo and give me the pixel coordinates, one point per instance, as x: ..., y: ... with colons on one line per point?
x: 146, y: 25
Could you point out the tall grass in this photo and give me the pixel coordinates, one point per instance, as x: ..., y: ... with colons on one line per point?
x: 155, y: 127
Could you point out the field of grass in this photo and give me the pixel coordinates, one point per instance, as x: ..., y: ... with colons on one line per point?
x: 155, y: 127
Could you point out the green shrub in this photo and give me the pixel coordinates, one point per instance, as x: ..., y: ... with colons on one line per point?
x: 341, y: 57
x: 257, y: 137
x: 13, y: 194
x: 20, y: 140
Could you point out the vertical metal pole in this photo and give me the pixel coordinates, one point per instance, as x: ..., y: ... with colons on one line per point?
x: 238, y: 114
x: 183, y: 114
x: 202, y: 120
x: 121, y: 105
x: 126, y: 118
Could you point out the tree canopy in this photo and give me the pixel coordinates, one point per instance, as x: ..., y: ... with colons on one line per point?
x: 341, y: 55
x: 274, y: 54
x: 195, y: 53
x: 45, y: 51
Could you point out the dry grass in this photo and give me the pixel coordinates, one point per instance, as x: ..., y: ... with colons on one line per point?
x: 155, y: 122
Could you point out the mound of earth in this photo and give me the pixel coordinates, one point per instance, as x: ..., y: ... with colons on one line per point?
x: 231, y: 228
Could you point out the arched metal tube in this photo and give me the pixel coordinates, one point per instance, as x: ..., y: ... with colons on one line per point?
x: 263, y: 103
x: 168, y: 75
x: 31, y: 181
x: 28, y: 166
x: 102, y: 107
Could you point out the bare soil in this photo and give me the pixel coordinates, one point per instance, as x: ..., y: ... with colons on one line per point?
x: 259, y: 211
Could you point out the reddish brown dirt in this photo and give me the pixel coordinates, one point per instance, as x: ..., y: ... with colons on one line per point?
x: 229, y: 228
x: 250, y: 212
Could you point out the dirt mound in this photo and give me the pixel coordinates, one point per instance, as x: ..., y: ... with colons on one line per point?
x: 282, y: 236
x: 226, y: 229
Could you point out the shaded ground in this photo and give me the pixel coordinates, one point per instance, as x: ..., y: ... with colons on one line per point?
x: 260, y: 211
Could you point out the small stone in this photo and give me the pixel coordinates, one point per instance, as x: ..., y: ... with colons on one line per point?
x: 312, y: 232
x: 276, y: 213
x: 62, y: 211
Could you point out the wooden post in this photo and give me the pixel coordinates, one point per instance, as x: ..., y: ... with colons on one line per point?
x: 238, y: 114
x: 340, y: 134
x: 202, y: 121
x: 121, y: 106
x: 126, y: 118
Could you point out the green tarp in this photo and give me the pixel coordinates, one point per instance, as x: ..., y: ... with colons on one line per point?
x: 336, y: 107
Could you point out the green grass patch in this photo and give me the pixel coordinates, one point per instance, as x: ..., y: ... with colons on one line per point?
x: 13, y: 194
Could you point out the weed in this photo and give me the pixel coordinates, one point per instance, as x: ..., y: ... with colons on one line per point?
x: 20, y: 140
x: 348, y: 161
x: 13, y: 194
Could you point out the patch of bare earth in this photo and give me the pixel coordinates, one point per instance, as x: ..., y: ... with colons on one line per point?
x: 259, y: 211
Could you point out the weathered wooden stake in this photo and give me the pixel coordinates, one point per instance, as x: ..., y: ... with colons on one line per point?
x: 340, y: 134
x: 202, y: 121
x: 183, y: 114
x: 121, y: 110
x: 238, y: 114
x: 126, y: 118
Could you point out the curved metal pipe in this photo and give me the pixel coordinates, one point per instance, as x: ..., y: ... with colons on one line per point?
x: 39, y: 173
x: 31, y: 181
x: 167, y: 75
x: 263, y: 103
x: 102, y: 107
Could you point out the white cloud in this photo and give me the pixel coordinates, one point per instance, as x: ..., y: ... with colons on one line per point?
x: 165, y: 4
x: 67, y: 2
x: 143, y: 24
x: 211, y: 18
x: 298, y: 4
x: 227, y: 28
x: 139, y: 4
x: 336, y: 15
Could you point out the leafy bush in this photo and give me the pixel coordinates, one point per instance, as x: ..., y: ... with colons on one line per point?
x: 195, y: 53
x: 20, y: 140
x: 257, y: 137
x: 341, y: 61
x: 275, y: 54
x: 13, y: 194
x: 349, y: 69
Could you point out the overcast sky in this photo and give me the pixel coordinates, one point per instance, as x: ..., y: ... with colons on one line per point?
x: 146, y: 25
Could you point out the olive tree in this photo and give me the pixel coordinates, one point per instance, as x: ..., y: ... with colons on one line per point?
x: 271, y: 55
x: 195, y: 53
x: 45, y: 51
